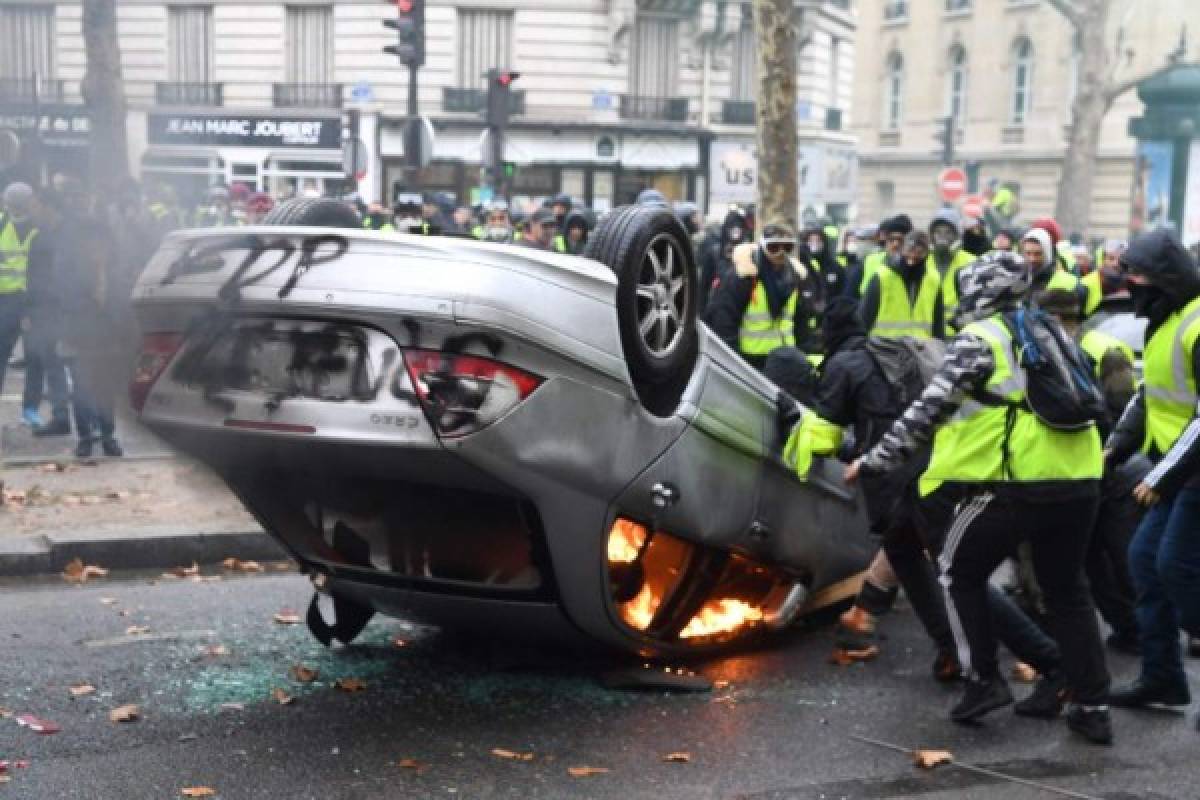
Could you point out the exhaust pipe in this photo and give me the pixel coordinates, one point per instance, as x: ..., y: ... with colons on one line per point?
x: 780, y: 615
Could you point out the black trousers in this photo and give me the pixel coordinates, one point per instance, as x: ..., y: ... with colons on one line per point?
x: 986, y: 530
x: 1107, y: 564
x: 1011, y: 626
x: 908, y: 554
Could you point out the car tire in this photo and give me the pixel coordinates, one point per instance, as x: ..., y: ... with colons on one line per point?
x: 319, y: 212
x: 650, y: 252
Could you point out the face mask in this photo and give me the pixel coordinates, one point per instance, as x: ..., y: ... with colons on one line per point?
x: 1149, y: 302
x: 1111, y: 280
x: 498, y: 233
x: 815, y: 246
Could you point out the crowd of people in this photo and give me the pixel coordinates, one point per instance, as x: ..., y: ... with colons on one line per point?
x: 906, y: 353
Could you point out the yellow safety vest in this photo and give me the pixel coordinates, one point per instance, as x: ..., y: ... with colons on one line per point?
x: 897, y: 316
x: 760, y: 332
x: 1095, y: 292
x: 14, y: 257
x: 1170, y: 386
x: 1097, y: 344
x: 950, y: 280
x: 813, y: 436
x: 871, y: 265
x: 1007, y: 443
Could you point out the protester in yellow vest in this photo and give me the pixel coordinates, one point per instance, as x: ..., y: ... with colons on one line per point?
x: 904, y: 298
x: 23, y: 251
x: 892, y: 231
x: 947, y: 257
x: 1106, y: 278
x: 1163, y: 422
x: 757, y: 307
x: 1022, y: 480
x: 1038, y: 250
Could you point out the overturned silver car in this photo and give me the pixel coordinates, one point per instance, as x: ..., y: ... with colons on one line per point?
x: 490, y: 436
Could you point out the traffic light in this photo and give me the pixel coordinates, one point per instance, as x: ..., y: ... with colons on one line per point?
x: 510, y: 169
x: 409, y: 26
x: 945, y: 137
x: 499, y: 95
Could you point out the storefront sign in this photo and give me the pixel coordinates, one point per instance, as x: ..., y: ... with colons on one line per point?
x: 67, y: 127
x: 825, y: 174
x: 732, y: 174
x: 247, y: 131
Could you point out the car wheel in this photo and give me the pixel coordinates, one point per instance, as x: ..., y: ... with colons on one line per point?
x: 320, y: 212
x: 651, y: 254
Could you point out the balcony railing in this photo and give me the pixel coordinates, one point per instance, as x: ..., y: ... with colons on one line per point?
x: 189, y: 94
x: 474, y: 101
x: 307, y: 95
x: 666, y: 109
x: 737, y: 112
x: 25, y: 90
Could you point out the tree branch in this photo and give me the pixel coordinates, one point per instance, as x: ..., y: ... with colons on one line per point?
x: 1119, y: 88
x: 1069, y: 10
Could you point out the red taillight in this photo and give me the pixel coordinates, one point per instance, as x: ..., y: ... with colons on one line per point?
x: 463, y: 393
x: 157, y: 351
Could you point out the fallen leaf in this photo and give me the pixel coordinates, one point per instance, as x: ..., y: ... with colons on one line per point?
x: 53, y: 467
x: 282, y: 566
x: 720, y: 684
x: 108, y: 601
x: 198, y: 791
x: 399, y: 643
x: 287, y: 617
x: 1023, y: 673
x: 37, y: 725
x: 5, y: 713
x: 303, y: 674
x: 184, y: 572
x: 82, y: 689
x: 677, y: 758
x: 928, y: 759
x: 205, y: 578
x: 137, y: 630
x: 413, y: 764
x: 511, y: 755
x: 583, y: 772
x: 214, y: 650
x: 126, y: 713
x: 78, y: 572
x: 282, y: 697
x: 843, y: 657
x: 350, y: 685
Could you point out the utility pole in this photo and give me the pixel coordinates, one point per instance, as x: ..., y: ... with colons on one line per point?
x: 409, y: 25
x: 499, y: 106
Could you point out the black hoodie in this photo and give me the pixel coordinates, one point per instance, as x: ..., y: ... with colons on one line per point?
x: 715, y: 258
x: 1161, y: 257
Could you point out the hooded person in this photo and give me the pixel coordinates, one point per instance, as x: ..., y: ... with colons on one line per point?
x: 574, y: 236
x: 892, y: 232
x: 1047, y: 274
x: 946, y: 256
x: 716, y: 257
x: 975, y: 240
x: 651, y: 197
x: 822, y: 255
x: 1106, y: 279
x: 1014, y: 479
x: 561, y: 206
x: 904, y: 298
x: 1163, y: 422
x: 758, y: 306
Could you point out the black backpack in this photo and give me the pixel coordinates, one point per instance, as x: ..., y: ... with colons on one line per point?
x: 908, y: 364
x: 1061, y: 389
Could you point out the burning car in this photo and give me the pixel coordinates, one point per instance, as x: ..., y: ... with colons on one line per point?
x: 490, y: 436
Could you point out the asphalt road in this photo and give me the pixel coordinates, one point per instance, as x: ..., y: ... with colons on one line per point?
x: 781, y: 729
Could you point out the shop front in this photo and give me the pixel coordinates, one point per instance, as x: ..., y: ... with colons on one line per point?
x: 36, y: 144
x: 284, y: 155
x: 598, y: 166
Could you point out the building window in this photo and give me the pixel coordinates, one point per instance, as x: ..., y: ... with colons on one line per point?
x: 893, y: 92
x: 654, y: 62
x: 26, y: 43
x: 956, y: 86
x: 1022, y: 81
x: 957, y: 5
x: 484, y: 42
x: 895, y: 10
x: 745, y: 62
x: 189, y: 44
x: 309, y: 45
x: 835, y: 66
x: 885, y: 197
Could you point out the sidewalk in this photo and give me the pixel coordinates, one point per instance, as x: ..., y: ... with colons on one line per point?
x: 153, y: 508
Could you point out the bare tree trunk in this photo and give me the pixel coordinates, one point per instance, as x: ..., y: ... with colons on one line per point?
x: 104, y: 93
x: 776, y: 111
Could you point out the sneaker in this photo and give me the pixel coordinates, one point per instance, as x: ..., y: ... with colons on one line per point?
x: 111, y: 448
x: 56, y: 427
x: 32, y: 418
x: 946, y: 668
x: 1141, y: 694
x: 1126, y: 643
x: 856, y: 629
x: 1047, y: 699
x: 980, y: 697
x: 1093, y: 724
x: 84, y: 448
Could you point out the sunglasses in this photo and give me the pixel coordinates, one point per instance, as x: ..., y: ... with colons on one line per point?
x: 775, y: 248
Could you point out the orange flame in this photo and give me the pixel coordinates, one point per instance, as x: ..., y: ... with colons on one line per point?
x: 625, y: 541
x: 721, y: 616
x: 638, y: 613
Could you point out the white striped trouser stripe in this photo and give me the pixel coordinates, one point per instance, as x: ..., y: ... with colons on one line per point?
x: 963, y: 519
